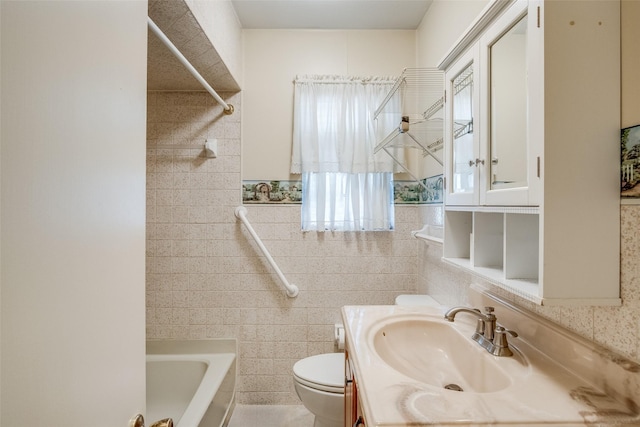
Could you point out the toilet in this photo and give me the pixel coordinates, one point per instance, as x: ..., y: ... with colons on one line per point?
x: 319, y: 380
x: 319, y: 383
x: 417, y: 300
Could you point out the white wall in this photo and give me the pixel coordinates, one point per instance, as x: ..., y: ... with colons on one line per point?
x: 220, y: 23
x: 72, y: 219
x: 272, y: 60
x: 442, y: 25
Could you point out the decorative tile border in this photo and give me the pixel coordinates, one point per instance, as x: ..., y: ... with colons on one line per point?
x: 411, y: 192
x: 272, y: 192
x: 290, y: 192
x: 434, y: 192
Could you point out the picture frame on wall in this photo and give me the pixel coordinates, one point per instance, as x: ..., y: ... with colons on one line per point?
x: 630, y: 163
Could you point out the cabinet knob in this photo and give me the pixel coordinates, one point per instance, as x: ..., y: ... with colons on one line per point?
x: 476, y: 162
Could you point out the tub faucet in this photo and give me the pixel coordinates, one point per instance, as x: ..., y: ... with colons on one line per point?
x: 491, y: 337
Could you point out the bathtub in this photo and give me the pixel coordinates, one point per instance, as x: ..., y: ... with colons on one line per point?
x: 192, y: 382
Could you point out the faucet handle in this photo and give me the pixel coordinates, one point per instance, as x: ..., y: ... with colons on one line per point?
x: 488, y: 314
x: 504, y: 330
x: 500, y: 342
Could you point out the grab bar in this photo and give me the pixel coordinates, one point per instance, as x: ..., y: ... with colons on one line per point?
x: 241, y: 213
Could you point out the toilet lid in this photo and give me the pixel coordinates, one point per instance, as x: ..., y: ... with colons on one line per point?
x: 323, y: 371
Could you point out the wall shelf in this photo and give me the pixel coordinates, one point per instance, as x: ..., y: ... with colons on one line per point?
x: 498, y: 244
x: 429, y: 233
x: 411, y: 117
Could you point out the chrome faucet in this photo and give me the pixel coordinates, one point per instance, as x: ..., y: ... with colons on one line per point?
x: 488, y: 334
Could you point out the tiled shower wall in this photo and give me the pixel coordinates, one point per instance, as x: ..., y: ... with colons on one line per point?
x: 616, y: 328
x: 206, y: 277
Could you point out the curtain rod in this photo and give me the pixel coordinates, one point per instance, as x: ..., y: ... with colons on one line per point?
x: 228, y: 108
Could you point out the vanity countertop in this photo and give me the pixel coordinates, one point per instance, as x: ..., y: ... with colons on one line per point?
x: 542, y: 393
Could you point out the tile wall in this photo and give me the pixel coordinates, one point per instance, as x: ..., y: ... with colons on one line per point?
x: 205, y: 276
x: 616, y: 328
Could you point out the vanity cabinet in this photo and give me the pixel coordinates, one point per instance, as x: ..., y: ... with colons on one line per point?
x: 352, y: 411
x: 532, y: 129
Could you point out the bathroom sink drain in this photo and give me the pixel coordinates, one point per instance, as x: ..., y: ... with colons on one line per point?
x: 454, y: 387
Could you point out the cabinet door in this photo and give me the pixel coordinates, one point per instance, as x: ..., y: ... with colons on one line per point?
x: 510, y: 169
x: 350, y: 394
x: 461, y: 141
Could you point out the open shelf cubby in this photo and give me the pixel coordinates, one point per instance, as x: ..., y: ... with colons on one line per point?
x: 498, y: 245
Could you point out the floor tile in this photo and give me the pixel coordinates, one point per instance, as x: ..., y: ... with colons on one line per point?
x: 271, y: 416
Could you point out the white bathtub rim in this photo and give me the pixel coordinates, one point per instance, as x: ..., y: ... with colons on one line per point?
x: 209, y: 385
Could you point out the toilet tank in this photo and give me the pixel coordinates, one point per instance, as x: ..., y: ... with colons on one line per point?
x: 417, y: 300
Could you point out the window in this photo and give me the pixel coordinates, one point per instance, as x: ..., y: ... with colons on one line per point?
x: 345, y: 186
x: 347, y: 201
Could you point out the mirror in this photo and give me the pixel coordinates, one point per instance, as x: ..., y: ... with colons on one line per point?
x: 508, y: 100
x: 463, y: 144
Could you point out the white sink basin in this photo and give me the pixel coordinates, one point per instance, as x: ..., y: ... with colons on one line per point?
x: 434, y: 352
x: 405, y: 357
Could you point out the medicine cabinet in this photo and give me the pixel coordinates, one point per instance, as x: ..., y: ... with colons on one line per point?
x: 491, y: 160
x: 462, y: 152
x: 507, y: 96
x: 531, y: 134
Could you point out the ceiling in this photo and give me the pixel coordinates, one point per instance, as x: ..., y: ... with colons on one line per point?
x: 331, y: 14
x: 175, y: 19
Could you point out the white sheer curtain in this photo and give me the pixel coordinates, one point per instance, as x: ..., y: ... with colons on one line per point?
x: 344, y: 185
x: 347, y: 201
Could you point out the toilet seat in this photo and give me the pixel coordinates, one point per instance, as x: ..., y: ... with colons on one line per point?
x: 323, y: 372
